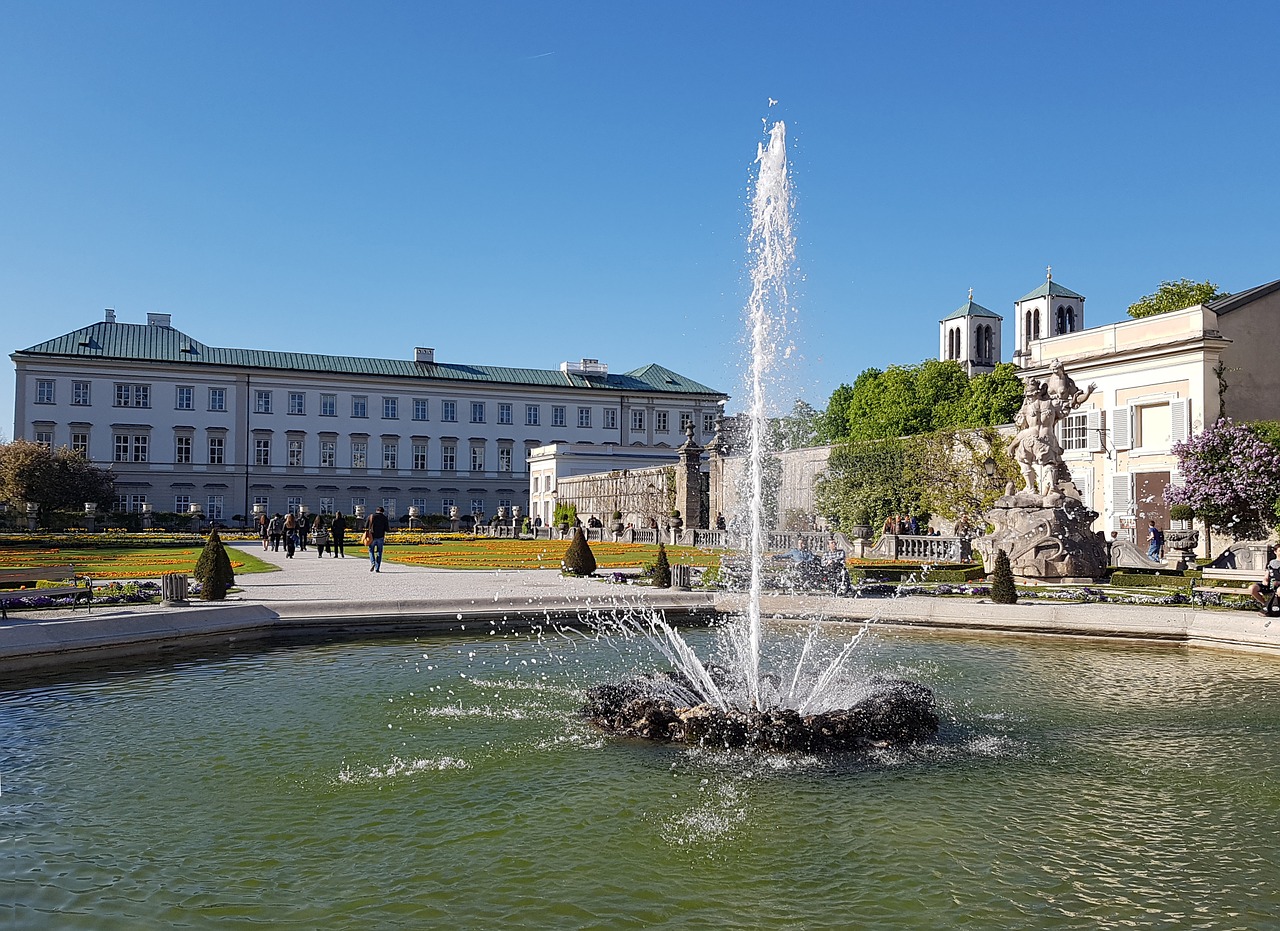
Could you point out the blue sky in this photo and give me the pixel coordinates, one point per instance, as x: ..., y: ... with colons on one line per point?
x: 525, y: 183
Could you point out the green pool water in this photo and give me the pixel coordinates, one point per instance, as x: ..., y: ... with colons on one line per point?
x: 449, y: 783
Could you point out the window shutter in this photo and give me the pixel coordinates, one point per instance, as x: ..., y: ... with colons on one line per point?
x: 1093, y: 425
x: 1122, y: 493
x: 1180, y: 422
x: 1121, y: 427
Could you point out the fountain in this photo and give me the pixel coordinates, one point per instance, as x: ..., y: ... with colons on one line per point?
x: 821, y: 706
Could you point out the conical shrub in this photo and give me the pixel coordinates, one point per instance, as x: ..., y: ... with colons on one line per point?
x: 662, y: 569
x: 1003, y: 591
x: 213, y: 570
x: 578, y: 558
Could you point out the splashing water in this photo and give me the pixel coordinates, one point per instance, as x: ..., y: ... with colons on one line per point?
x: 771, y: 246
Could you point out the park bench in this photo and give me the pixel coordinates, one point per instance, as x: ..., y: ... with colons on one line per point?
x: 11, y: 582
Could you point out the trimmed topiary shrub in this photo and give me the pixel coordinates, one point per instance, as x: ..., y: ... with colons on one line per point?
x: 662, y: 569
x: 213, y: 570
x: 578, y: 558
x: 1003, y: 591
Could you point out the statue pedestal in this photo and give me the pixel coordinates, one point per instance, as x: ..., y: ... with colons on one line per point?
x: 1045, y: 543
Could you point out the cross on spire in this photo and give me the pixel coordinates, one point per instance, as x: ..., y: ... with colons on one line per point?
x: 1048, y: 271
x: 971, y: 295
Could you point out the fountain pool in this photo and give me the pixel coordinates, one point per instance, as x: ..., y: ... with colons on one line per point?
x: 410, y: 784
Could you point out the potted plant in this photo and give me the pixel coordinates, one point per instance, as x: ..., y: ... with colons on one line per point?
x: 677, y: 521
x: 616, y: 523
x: 861, y: 528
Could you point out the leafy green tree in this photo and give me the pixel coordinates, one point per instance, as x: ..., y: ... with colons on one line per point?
x: 55, y: 479
x: 907, y: 400
x: 213, y: 570
x: 866, y: 482
x: 833, y: 424
x: 994, y: 397
x: 797, y: 430
x: 1175, y: 295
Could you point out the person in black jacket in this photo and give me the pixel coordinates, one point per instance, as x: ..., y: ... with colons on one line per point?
x: 336, y: 530
x: 377, y: 526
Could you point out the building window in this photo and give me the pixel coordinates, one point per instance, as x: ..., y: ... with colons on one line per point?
x: 446, y: 504
x: 505, y: 503
x: 532, y: 415
x: 359, y: 405
x: 584, y: 417
x: 686, y: 420
x: 80, y: 443
x: 80, y: 393
x: 293, y: 504
x: 359, y: 454
x: 449, y: 411
x: 1075, y: 432
x: 390, y: 453
x: 477, y: 412
x: 477, y: 458
x: 389, y: 506
x: 420, y: 504
x: 610, y: 418
x: 659, y: 421
x: 326, y: 505
x: 262, y: 402
x: 328, y: 405
x: 185, y: 399
x: 295, y: 451
x: 477, y: 506
x: 44, y: 391
x: 328, y: 453
x: 637, y: 419
x: 262, y: 452
x: 133, y: 395
x: 448, y: 457
x: 44, y: 438
x: 558, y: 416
x: 183, y: 452
x: 217, y: 399
x: 217, y: 450
x: 390, y: 408
x: 214, y: 510
x: 297, y: 402
x: 264, y: 501
x: 708, y: 423
x: 419, y: 408
x: 420, y: 457
x: 504, y: 414
x: 132, y: 503
x: 182, y: 504
x: 504, y: 459
x: 121, y: 442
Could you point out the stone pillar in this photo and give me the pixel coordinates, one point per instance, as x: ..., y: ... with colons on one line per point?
x: 689, y: 483
x: 716, y: 451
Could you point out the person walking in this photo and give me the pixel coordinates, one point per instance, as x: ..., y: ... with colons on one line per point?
x: 336, y: 531
x: 275, y: 530
x: 263, y: 525
x: 320, y: 536
x: 304, y: 529
x: 1155, y: 542
x: 376, y: 530
x: 290, y: 535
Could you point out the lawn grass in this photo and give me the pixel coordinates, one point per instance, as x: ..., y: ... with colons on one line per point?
x: 487, y: 553
x: 124, y: 562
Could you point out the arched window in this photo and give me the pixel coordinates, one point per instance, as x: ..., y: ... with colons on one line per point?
x: 989, y: 345
x: 1026, y: 330
x: 1071, y: 319
x: 1035, y: 325
x: 1062, y: 321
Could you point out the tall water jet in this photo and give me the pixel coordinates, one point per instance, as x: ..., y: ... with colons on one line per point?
x: 771, y: 247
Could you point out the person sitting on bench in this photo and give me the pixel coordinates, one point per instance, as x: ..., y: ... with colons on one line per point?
x: 1263, y: 592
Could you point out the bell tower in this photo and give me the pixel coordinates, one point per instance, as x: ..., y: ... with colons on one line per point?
x: 1049, y: 310
x: 971, y: 336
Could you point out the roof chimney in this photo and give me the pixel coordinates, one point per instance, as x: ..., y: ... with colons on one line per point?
x: 424, y: 355
x: 111, y: 315
x: 585, y: 367
x: 164, y: 320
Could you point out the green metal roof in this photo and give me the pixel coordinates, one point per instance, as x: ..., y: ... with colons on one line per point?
x: 147, y: 343
x: 971, y: 309
x: 1050, y: 288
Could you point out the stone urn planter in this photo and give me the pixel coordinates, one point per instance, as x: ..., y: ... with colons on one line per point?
x: 676, y: 523
x: 860, y: 531
x: 1184, y: 543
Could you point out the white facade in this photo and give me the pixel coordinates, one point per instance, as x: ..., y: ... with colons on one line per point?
x: 548, y: 464
x: 182, y: 423
x: 971, y: 337
x: 1050, y: 310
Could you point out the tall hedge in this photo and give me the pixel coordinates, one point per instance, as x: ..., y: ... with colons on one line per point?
x: 213, y: 570
x: 1003, y: 591
x: 578, y: 558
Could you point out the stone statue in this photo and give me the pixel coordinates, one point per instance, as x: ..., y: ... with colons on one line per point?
x: 1045, y: 529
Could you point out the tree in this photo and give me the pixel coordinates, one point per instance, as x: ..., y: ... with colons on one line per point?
x: 866, y: 482
x: 797, y: 430
x: 1231, y: 479
x: 907, y: 400
x: 578, y: 558
x: 832, y: 425
x: 213, y: 569
x: 1003, y: 590
x: 55, y: 479
x: 661, y: 573
x: 1175, y: 295
x: 994, y: 397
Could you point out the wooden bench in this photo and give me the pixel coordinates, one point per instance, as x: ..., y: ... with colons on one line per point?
x: 77, y: 586
x: 1235, y: 575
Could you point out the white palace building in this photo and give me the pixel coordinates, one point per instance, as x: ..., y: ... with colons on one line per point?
x: 183, y: 423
